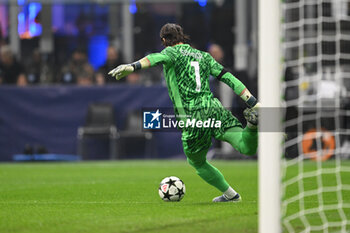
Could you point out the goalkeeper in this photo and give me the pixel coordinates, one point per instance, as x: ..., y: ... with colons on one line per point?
x: 187, y: 73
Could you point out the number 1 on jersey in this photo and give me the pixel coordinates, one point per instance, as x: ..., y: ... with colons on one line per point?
x: 195, y: 65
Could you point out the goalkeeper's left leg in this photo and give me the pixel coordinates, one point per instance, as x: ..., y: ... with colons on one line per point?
x: 244, y: 140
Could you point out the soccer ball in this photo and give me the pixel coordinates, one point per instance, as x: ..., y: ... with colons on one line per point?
x: 171, y: 189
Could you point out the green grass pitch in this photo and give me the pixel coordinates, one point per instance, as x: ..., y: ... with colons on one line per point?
x: 328, y: 203
x: 121, y: 196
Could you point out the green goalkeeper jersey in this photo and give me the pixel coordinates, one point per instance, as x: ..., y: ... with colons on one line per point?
x: 187, y: 72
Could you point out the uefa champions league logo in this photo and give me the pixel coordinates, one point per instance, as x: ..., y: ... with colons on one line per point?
x: 152, y: 119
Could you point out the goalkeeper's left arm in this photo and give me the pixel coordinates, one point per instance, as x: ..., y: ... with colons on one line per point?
x: 150, y: 60
x: 237, y: 86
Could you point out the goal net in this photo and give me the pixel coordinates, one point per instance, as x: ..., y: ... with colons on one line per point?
x: 316, y: 109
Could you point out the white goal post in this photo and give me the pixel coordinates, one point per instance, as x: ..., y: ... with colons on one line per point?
x: 304, y: 57
x: 270, y: 149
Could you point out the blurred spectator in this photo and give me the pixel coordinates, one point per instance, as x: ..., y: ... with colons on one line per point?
x: 76, y: 65
x: 113, y: 60
x: 22, y: 81
x: 2, y: 38
x: 133, y: 78
x: 100, y: 79
x: 11, y: 71
x: 217, y: 53
x: 85, y: 76
x: 38, y: 69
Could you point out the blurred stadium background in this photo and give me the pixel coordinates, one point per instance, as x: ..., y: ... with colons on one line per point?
x: 59, y: 53
x: 57, y: 103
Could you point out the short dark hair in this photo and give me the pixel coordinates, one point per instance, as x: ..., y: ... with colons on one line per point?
x: 172, y: 34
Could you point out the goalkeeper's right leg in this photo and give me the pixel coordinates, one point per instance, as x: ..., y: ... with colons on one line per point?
x: 206, y: 171
x: 212, y: 176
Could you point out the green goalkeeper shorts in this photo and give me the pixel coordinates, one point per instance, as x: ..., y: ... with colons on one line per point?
x: 196, y: 139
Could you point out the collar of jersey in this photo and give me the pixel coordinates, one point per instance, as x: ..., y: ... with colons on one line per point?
x: 181, y: 45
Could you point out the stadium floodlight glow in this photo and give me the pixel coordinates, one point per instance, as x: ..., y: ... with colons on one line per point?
x: 202, y: 3
x: 133, y: 7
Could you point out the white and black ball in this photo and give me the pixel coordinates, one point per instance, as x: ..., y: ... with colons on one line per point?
x: 171, y: 189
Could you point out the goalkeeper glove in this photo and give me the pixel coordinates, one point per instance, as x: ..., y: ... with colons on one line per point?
x: 121, y: 71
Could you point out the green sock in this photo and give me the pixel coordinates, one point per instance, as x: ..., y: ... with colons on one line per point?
x: 211, y: 175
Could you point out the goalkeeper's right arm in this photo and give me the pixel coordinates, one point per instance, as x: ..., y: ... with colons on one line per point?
x: 123, y: 70
x: 152, y: 59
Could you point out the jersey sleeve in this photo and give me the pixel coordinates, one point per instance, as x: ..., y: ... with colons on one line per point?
x: 233, y: 82
x: 218, y: 71
x: 158, y: 58
x: 215, y: 67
